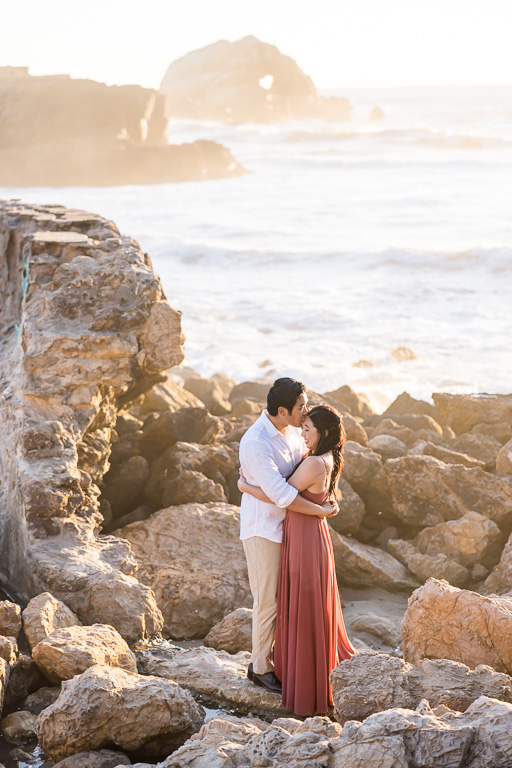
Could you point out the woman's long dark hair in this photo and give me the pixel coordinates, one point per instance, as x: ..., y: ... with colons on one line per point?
x: 329, y: 422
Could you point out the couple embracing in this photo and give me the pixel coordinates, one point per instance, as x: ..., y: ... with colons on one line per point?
x: 290, y: 464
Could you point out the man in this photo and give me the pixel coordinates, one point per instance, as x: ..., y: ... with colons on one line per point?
x: 269, y: 451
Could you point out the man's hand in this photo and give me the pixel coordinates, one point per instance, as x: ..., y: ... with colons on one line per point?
x: 331, y: 508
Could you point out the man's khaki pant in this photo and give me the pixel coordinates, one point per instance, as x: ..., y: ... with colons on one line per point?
x: 263, y: 558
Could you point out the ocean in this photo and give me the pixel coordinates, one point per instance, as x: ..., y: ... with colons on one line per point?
x: 374, y: 254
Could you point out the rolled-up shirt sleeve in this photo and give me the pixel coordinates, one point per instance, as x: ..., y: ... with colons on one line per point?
x: 260, y: 469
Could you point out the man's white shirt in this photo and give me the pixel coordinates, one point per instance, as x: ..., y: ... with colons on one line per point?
x: 267, y: 457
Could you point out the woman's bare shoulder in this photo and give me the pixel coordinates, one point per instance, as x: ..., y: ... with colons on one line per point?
x: 313, y: 463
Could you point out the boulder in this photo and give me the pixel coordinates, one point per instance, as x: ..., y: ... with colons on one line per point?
x: 360, y: 466
x: 502, y: 431
x: 18, y: 727
x: 382, y: 627
x: 192, y: 557
x: 372, y: 682
x: 424, y: 566
x: 123, y: 488
x: 421, y: 491
x: 24, y: 678
x: 445, y: 455
x: 351, y: 510
x: 399, y: 737
x: 41, y: 699
x: 69, y: 652
x: 376, y: 114
x: 247, y: 407
x: 471, y: 539
x: 43, y: 615
x: 8, y: 649
x: 215, y: 678
x: 166, y: 396
x: 233, y: 633
x: 404, y: 404
x: 346, y: 398
x: 361, y: 565
x: 10, y: 619
x: 196, y: 425
x: 500, y: 580
x: 443, y: 622
x: 101, y: 758
x: 482, y: 447
x: 354, y: 430
x: 387, y: 446
x: 190, y: 487
x: 209, y: 391
x: 249, y: 390
x: 504, y: 459
x: 107, y: 705
x: 462, y: 412
x: 157, y: 435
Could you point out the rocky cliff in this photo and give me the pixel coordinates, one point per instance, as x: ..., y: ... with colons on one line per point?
x: 57, y: 131
x: 83, y: 322
x: 245, y: 81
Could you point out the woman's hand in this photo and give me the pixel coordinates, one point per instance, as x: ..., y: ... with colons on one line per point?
x: 331, y: 508
x: 242, y: 482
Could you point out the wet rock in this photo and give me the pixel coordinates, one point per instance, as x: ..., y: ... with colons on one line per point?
x: 360, y: 565
x: 8, y: 649
x: 68, y: 652
x: 43, y: 615
x: 387, y: 446
x: 504, y: 459
x: 10, y: 619
x: 209, y: 391
x: 374, y: 682
x: 482, y: 447
x: 41, y: 699
x: 444, y: 622
x: 233, y: 633
x: 360, y: 467
x: 425, y: 566
x: 462, y: 412
x: 101, y: 758
x: 18, y: 727
x: 86, y: 325
x: 106, y: 705
x: 351, y: 510
x: 215, y: 677
x: 422, y: 491
x: 192, y: 557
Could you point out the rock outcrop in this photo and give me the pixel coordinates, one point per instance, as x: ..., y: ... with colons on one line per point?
x: 57, y: 131
x: 245, y: 81
x: 105, y: 706
x: 192, y: 558
x: 443, y: 622
x: 233, y: 633
x: 84, y: 326
x: 43, y: 615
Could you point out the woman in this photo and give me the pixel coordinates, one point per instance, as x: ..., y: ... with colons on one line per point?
x: 310, y: 634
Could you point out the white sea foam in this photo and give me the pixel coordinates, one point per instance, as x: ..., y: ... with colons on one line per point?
x: 343, y: 243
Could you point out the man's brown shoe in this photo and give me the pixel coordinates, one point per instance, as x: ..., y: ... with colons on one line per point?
x: 250, y: 671
x: 268, y: 681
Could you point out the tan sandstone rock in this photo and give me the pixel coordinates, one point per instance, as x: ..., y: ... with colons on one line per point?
x: 361, y: 465
x: 351, y: 510
x: 500, y: 579
x: 68, y: 652
x: 213, y: 677
x: 106, y: 705
x: 8, y: 649
x: 469, y: 540
x: 101, y: 758
x: 445, y: 454
x: 4, y: 677
x: 373, y: 682
x: 43, y: 615
x: 462, y: 412
x: 443, y: 622
x: 483, y: 447
x: 233, y: 633
x: 18, y: 727
x: 425, y: 566
x: 387, y: 446
x: 504, y: 459
x: 362, y: 565
x: 10, y: 619
x: 192, y: 557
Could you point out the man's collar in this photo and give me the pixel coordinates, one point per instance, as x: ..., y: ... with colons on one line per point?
x: 271, y: 429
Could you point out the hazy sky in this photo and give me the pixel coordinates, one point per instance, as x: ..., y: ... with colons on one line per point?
x: 337, y: 42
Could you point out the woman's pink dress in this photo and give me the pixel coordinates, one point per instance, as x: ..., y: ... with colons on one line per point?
x: 310, y: 634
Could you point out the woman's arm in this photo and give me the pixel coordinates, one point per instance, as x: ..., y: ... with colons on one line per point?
x: 252, y: 490
x: 301, y: 481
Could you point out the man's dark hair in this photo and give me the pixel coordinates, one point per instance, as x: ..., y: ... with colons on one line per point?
x: 284, y: 392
